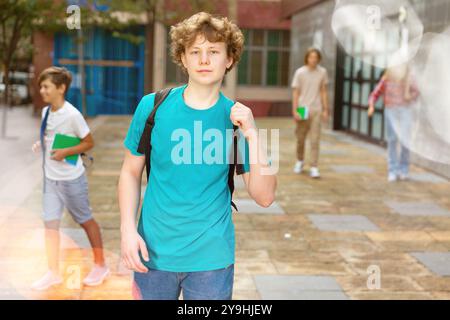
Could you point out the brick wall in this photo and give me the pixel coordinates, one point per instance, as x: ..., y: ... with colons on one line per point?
x: 42, y: 58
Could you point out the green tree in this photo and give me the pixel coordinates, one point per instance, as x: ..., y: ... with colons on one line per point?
x: 18, y: 19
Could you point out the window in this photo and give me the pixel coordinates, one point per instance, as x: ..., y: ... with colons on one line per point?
x: 265, y: 60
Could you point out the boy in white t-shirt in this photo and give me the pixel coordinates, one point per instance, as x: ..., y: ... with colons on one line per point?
x: 65, y: 184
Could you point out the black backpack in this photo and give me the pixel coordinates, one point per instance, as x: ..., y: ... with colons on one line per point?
x: 145, y: 146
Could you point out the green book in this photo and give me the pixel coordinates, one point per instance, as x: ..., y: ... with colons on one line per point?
x: 303, y: 112
x: 62, y: 141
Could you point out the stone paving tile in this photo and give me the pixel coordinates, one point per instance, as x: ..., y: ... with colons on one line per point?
x: 342, y: 222
x: 417, y: 208
x: 440, y: 224
x: 388, y: 283
x: 389, y: 268
x: 352, y: 169
x: 333, y: 152
x: 282, y: 223
x: 400, y: 236
x: 382, y: 295
x: 238, y: 183
x: 255, y: 267
x: 11, y: 295
x: 284, y: 244
x: 440, y: 235
x: 312, y: 268
x: 244, y: 282
x: 250, y: 206
x: 242, y: 243
x: 333, y: 245
x: 398, y: 222
x: 408, y: 246
x: 282, y: 287
x: 433, y: 282
x: 427, y: 177
x: 246, y: 295
x: 441, y: 295
x: 105, y: 173
x: 309, y: 262
x: 438, y: 262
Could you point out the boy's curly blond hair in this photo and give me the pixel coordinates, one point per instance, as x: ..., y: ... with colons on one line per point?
x: 213, y: 28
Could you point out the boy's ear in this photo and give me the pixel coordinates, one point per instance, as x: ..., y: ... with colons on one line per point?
x: 230, y: 62
x: 62, y: 86
x: 183, y: 59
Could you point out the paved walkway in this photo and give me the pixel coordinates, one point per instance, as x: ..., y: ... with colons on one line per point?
x: 319, y: 240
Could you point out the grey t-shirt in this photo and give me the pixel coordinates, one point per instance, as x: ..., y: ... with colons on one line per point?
x: 309, y: 81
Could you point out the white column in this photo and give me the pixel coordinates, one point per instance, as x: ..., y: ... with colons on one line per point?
x: 159, y: 57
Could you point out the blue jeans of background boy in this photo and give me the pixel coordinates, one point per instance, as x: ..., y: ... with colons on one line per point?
x: 398, y: 131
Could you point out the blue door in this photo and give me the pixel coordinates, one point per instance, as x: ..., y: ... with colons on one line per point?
x: 114, y: 70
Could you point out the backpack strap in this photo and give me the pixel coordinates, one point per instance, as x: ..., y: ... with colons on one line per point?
x: 145, y: 146
x: 145, y: 143
x: 234, y: 166
x: 44, y: 124
x: 41, y: 136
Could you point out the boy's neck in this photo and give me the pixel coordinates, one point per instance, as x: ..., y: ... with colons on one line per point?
x: 56, y: 105
x: 201, y: 96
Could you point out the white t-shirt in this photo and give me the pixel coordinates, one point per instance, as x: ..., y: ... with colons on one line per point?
x: 69, y: 121
x: 310, y: 82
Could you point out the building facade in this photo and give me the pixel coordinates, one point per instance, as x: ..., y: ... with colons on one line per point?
x: 351, y: 79
x: 115, y: 69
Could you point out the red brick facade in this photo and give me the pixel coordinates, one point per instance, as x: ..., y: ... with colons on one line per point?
x: 42, y: 58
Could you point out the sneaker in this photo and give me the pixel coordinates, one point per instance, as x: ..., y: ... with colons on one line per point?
x: 298, y: 167
x: 314, y: 173
x: 403, y: 176
x: 48, y: 280
x: 392, y: 177
x: 97, y: 275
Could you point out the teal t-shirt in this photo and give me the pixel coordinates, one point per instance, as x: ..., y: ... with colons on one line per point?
x: 186, y: 213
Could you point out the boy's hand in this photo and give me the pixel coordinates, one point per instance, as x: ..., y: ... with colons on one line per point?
x: 58, y: 154
x: 296, y: 116
x: 371, y: 110
x: 408, y: 96
x: 242, y: 117
x: 131, y: 244
x: 325, y: 115
x: 36, y: 147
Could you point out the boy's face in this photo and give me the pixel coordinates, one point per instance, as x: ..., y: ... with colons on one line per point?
x: 206, y: 62
x: 50, y: 92
x: 313, y: 59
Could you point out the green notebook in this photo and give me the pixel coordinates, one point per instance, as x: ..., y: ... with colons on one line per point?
x: 62, y: 141
x: 303, y: 112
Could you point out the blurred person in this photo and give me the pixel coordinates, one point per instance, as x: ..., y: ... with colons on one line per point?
x: 309, y: 86
x: 399, y: 90
x: 65, y: 184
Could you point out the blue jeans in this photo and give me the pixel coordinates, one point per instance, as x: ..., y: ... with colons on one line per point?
x: 198, y: 285
x: 398, y: 130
